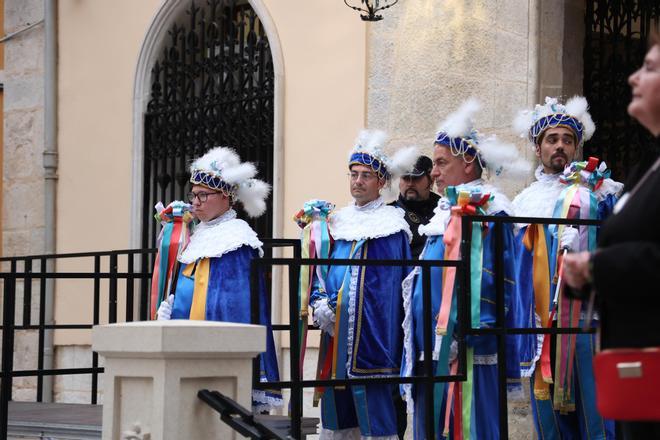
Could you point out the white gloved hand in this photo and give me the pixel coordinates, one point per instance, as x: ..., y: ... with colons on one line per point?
x: 165, y: 309
x: 324, y: 317
x: 570, y: 239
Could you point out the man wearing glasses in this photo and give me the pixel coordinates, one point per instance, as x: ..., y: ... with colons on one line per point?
x: 359, y: 308
x: 213, y: 282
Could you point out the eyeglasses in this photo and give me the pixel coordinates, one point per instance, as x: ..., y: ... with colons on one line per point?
x: 365, y: 176
x: 202, y: 196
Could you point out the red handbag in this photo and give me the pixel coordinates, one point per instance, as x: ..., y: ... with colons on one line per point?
x: 628, y: 383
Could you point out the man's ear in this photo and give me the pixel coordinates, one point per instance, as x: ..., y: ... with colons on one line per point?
x: 537, y: 150
x: 469, y: 168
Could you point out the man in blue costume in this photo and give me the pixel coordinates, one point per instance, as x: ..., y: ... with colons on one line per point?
x: 557, y: 132
x: 214, y: 279
x: 359, y: 308
x: 460, y: 156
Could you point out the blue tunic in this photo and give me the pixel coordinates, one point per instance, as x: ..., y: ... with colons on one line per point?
x: 228, y: 299
x: 484, y: 417
x: 585, y: 422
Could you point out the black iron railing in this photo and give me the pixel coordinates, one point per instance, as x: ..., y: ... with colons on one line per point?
x: 463, y: 328
x: 104, y: 266
x: 133, y: 267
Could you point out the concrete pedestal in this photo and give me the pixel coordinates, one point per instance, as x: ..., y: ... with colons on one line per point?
x: 154, y: 369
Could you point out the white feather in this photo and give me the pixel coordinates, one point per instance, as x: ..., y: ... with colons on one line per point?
x: 503, y: 156
x: 577, y: 106
x: 369, y: 141
x: 252, y: 195
x: 238, y: 173
x: 403, y: 160
x: 522, y: 122
x: 216, y: 159
x: 460, y: 122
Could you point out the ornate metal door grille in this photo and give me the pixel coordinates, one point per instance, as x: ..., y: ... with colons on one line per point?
x: 213, y: 85
x: 615, y: 44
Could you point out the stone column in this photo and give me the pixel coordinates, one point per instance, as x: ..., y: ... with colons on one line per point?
x: 154, y: 369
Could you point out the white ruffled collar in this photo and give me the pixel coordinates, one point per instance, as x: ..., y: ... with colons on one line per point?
x: 218, y: 237
x: 438, y: 223
x: 372, y: 220
x: 230, y: 214
x: 542, y: 176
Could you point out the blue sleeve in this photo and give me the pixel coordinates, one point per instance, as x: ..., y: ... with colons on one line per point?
x: 606, y: 206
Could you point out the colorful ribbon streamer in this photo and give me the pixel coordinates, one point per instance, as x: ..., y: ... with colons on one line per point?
x: 175, y: 236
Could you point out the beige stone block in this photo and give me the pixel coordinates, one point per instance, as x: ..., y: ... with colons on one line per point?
x: 511, y: 55
x: 165, y: 363
x: 552, y: 21
x: 23, y: 205
x: 551, y: 65
x: 23, y: 147
x: 19, y: 13
x: 23, y: 242
x: 24, y: 92
x: 513, y: 16
x: 25, y: 52
x: 510, y: 97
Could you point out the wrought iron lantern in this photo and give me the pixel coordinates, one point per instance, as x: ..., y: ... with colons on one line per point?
x: 370, y: 8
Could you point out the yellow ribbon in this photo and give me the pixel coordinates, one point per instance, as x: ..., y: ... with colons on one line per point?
x: 198, y: 306
x: 534, y: 240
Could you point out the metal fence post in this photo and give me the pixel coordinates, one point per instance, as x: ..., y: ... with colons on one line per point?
x: 6, y: 382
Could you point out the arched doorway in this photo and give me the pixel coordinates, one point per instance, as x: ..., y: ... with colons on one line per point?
x: 211, y: 84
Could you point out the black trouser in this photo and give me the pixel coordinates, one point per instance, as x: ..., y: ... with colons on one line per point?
x: 401, y: 416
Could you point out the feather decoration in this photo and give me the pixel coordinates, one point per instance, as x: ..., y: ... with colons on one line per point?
x: 502, y: 157
x: 238, y: 173
x: 578, y: 107
x: 460, y: 123
x: 252, y: 194
x: 370, y: 142
x: 403, y: 160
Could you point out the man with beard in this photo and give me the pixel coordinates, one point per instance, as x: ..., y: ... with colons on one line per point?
x: 417, y: 199
x: 557, y: 131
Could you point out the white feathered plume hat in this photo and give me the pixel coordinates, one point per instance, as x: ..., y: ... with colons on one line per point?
x: 369, y: 151
x: 573, y: 115
x: 220, y: 169
x: 457, y: 133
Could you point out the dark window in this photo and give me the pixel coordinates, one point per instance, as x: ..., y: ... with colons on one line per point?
x: 615, y: 45
x: 212, y: 86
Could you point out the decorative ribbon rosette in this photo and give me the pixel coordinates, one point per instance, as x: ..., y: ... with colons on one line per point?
x: 315, y: 243
x: 174, y: 237
x: 586, y: 173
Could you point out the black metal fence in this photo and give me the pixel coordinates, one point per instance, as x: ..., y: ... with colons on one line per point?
x: 120, y: 291
x: 463, y: 328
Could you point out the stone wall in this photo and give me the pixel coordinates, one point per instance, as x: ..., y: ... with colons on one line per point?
x: 23, y: 219
x: 426, y: 57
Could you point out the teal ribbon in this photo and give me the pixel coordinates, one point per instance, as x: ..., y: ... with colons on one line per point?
x: 476, y: 272
x: 342, y: 336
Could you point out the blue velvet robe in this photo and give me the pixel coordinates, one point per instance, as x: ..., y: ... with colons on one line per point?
x: 586, y: 422
x: 484, y: 417
x: 377, y: 343
x: 228, y: 299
